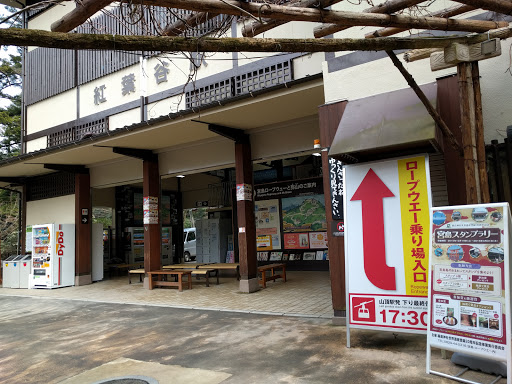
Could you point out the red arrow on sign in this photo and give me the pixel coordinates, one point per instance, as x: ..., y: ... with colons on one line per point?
x: 371, y: 191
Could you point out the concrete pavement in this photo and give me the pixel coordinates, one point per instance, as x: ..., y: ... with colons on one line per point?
x: 48, y: 340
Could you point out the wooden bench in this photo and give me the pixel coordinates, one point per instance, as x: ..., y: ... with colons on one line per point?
x: 207, y: 273
x: 182, y: 266
x: 155, y: 276
x: 139, y: 272
x: 122, y: 267
x: 223, y: 266
x: 273, y: 275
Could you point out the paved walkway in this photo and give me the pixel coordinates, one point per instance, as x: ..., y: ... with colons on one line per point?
x: 54, y: 341
x: 305, y: 294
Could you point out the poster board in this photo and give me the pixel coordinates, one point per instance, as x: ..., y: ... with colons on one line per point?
x: 386, y: 244
x: 469, y: 288
x: 268, y: 222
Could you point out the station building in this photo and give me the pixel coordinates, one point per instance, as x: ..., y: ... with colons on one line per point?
x: 230, y: 132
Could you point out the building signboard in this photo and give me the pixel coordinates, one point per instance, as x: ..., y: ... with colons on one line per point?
x: 386, y: 244
x: 469, y: 307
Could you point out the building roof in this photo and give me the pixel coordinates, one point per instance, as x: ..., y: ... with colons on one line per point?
x: 278, y: 104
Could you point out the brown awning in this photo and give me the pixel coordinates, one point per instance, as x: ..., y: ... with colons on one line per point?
x: 388, y: 124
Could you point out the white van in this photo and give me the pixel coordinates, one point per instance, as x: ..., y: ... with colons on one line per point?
x: 189, y: 244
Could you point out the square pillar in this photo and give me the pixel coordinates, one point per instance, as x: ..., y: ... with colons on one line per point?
x: 245, y: 214
x: 83, y: 226
x: 152, y: 236
x: 330, y: 117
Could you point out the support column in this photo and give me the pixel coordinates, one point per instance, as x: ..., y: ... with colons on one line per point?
x: 152, y: 236
x: 245, y: 213
x: 179, y: 249
x: 479, y: 135
x: 83, y: 260
x: 466, y: 98
x: 329, y: 118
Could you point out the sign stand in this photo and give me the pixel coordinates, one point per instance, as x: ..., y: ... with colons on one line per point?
x: 469, y: 285
x: 387, y: 211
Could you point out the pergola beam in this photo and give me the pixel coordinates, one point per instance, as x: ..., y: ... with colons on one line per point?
x: 448, y: 12
x: 388, y: 7
x: 256, y: 28
x: 279, y: 12
x: 191, y: 21
x: 84, y: 9
x: 39, y: 38
x: 426, y: 102
x: 500, y: 6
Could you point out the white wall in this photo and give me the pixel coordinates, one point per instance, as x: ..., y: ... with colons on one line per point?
x: 37, y: 144
x: 496, y: 85
x: 120, y: 172
x: 166, y: 106
x: 45, y: 19
x: 298, y: 136
x: 59, y: 210
x: 124, y: 119
x: 112, y: 93
x: 213, y: 154
x: 51, y: 112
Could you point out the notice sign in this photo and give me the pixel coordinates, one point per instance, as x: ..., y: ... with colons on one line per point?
x: 387, y: 243
x: 150, y: 208
x: 469, y: 309
x: 243, y: 192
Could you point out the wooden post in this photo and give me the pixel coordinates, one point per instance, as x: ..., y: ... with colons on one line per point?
x: 152, y: 238
x: 83, y: 260
x: 329, y: 118
x: 467, y: 121
x: 479, y: 135
x: 246, y: 224
x: 178, y: 240
x: 426, y: 102
x: 497, y: 171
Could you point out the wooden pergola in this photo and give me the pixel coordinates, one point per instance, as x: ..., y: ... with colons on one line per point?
x: 463, y: 50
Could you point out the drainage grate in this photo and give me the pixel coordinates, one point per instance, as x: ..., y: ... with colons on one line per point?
x: 128, y: 380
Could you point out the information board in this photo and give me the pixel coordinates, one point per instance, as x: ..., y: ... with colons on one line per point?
x: 386, y: 244
x: 469, y: 308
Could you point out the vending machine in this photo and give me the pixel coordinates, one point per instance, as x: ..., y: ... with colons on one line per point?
x: 134, y: 238
x: 166, y: 245
x: 53, y: 256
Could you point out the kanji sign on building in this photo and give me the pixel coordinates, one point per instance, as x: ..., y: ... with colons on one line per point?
x: 386, y: 244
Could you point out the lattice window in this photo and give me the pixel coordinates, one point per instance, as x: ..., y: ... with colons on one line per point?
x: 263, y: 78
x: 242, y: 84
x: 209, y: 94
x: 62, y: 137
x: 48, y: 186
x: 78, y: 132
x: 92, y: 128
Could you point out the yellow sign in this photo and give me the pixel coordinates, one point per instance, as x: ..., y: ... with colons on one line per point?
x: 414, y: 207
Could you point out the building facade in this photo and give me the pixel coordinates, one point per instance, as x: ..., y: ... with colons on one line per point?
x: 96, y: 122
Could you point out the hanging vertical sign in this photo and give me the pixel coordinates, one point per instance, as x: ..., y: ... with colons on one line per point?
x: 336, y: 187
x: 469, y: 286
x: 386, y: 244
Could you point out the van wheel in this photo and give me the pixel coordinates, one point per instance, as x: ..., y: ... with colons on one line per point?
x: 187, y: 256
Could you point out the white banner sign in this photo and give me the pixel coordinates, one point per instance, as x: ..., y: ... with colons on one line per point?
x: 387, y: 244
